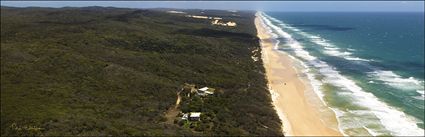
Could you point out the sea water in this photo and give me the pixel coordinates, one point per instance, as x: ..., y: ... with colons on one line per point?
x: 367, y: 67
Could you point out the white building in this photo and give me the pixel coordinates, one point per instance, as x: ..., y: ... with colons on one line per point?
x: 205, y: 91
x: 194, y: 116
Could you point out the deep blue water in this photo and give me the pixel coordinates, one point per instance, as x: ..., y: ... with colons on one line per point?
x: 381, y: 54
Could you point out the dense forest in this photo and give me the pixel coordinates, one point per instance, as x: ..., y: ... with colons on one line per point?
x: 116, y: 71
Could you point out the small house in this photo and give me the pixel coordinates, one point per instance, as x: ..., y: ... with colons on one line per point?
x: 205, y: 91
x: 195, y: 116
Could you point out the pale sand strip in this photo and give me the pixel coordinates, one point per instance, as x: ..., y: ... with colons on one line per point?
x: 299, y: 117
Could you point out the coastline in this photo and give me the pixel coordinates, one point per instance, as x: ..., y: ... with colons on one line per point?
x: 292, y: 98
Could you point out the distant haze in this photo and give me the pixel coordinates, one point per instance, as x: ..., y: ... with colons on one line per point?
x: 321, y: 6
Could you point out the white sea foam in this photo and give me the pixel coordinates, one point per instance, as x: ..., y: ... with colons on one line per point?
x: 422, y: 97
x: 350, y: 49
x: 329, y: 48
x: 357, y: 58
x: 422, y: 92
x: 373, y: 133
x: 397, y: 81
x: 295, y: 45
x: 395, y: 121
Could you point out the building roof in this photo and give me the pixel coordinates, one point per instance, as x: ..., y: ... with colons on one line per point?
x: 195, y: 114
x: 203, y: 89
x: 208, y: 92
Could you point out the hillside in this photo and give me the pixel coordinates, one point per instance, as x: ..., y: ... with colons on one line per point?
x: 116, y: 71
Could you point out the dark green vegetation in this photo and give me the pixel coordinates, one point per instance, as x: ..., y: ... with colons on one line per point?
x: 112, y: 71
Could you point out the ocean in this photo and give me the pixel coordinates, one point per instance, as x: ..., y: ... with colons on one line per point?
x: 367, y: 67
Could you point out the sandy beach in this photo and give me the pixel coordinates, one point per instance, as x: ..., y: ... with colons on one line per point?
x: 299, y: 116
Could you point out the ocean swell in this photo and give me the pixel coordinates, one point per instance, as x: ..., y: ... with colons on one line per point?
x: 388, y: 77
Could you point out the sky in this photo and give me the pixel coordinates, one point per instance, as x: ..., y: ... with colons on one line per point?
x: 322, y: 6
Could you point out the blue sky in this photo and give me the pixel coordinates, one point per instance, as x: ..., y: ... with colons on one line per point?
x: 346, y: 6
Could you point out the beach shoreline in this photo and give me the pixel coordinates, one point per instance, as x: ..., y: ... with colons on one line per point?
x: 300, y: 110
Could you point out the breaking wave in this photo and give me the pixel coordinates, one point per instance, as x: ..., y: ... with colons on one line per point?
x: 329, y: 48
